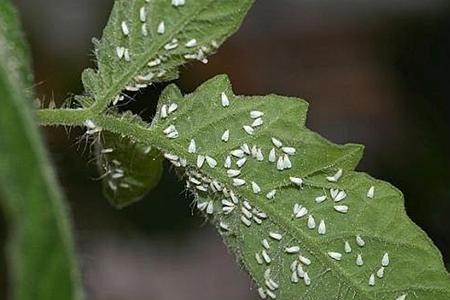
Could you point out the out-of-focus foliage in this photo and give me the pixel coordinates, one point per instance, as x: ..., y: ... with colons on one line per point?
x: 39, y: 248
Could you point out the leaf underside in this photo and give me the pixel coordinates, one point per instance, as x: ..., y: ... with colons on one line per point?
x: 370, y: 218
x: 147, y: 41
x: 39, y: 253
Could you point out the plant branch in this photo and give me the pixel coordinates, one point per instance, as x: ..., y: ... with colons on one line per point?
x: 63, y: 117
x: 76, y: 117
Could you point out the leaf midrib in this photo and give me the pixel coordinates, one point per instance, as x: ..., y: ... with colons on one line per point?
x: 163, y: 144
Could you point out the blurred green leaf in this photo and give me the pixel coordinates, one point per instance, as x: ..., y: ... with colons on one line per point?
x: 128, y: 170
x: 41, y: 264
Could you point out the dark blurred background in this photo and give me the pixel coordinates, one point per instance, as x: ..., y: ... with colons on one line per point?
x: 375, y: 72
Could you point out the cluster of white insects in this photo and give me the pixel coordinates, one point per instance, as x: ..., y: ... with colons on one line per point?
x: 114, y: 171
x: 279, y: 155
x: 190, y: 49
x: 112, y: 168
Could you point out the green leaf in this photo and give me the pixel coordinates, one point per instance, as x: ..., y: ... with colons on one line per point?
x: 39, y: 246
x: 129, y: 170
x: 130, y: 58
x: 360, y: 215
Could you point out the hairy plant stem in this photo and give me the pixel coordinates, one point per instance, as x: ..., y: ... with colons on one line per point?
x: 77, y: 117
